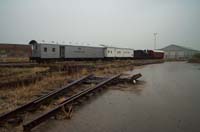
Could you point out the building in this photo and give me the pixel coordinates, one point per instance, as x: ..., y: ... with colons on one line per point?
x: 178, y: 52
x: 14, y: 50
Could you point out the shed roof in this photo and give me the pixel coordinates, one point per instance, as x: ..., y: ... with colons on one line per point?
x: 174, y: 47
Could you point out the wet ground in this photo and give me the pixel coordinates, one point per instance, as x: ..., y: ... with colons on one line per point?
x: 167, y: 99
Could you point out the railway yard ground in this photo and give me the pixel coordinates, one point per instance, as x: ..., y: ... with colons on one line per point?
x: 21, y: 84
x: 195, y: 59
x: 13, y: 59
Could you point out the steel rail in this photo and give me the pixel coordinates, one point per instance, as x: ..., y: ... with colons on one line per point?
x: 28, y: 126
x: 41, y: 99
x: 62, y: 90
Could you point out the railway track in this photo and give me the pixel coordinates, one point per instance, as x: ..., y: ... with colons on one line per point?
x: 17, y: 64
x: 71, y: 93
x: 38, y: 101
x: 38, y: 120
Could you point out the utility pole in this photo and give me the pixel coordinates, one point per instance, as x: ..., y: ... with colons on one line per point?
x: 155, y: 39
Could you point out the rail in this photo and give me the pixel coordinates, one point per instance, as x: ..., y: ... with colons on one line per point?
x: 40, y: 100
x: 28, y: 126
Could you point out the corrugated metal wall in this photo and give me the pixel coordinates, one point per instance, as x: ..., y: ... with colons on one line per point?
x: 83, y: 52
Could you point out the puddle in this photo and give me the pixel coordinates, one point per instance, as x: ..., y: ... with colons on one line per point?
x: 166, y: 99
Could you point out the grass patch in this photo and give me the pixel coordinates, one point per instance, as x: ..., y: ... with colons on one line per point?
x: 10, y: 74
x: 17, y: 59
x: 11, y: 98
x: 195, y: 58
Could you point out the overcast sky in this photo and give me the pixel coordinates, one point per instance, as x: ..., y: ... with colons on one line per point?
x: 122, y: 23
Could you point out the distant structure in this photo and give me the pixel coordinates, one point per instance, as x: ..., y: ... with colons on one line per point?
x: 178, y: 52
x: 155, y: 39
x: 14, y: 50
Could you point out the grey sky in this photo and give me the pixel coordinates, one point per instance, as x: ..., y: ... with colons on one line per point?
x: 123, y: 23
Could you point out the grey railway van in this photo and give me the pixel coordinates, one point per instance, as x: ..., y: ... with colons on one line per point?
x: 45, y: 51
x: 83, y: 52
x: 55, y: 51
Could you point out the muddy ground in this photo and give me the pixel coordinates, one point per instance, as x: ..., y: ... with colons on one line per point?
x: 54, y: 76
x: 166, y: 99
x: 15, y: 90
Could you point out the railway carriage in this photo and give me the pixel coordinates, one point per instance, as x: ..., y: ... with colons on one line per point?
x: 148, y: 54
x: 158, y: 54
x: 118, y: 53
x: 127, y: 53
x: 109, y: 52
x: 46, y: 52
x: 141, y: 54
x: 83, y: 52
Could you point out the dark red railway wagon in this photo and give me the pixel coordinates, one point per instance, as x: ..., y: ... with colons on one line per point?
x: 156, y: 54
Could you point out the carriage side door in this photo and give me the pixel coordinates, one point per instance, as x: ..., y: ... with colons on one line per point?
x: 62, y: 51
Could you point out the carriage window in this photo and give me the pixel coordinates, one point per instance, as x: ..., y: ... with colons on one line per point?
x: 53, y: 49
x: 45, y: 49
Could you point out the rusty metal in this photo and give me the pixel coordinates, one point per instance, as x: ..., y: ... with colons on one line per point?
x: 130, y: 79
x: 60, y: 91
x: 94, y: 80
x: 136, y: 76
x: 40, y: 100
x: 28, y: 126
